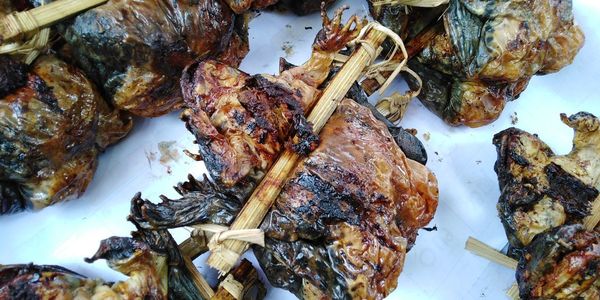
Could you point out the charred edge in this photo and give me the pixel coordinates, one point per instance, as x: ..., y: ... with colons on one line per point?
x: 202, y: 202
x: 13, y: 75
x: 575, y: 196
x: 44, y: 93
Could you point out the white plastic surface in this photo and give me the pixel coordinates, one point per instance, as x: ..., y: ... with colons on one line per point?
x: 437, y: 267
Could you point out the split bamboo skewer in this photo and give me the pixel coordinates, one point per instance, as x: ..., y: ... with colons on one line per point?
x: 203, y: 287
x: 481, y: 249
x: 228, y: 252
x: 19, y: 23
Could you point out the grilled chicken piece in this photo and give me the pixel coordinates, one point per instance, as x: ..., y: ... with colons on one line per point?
x: 486, y: 53
x: 53, y: 123
x: 150, y: 259
x: 135, y: 50
x: 346, y: 217
x: 242, y: 122
x: 541, y: 190
x: 563, y: 263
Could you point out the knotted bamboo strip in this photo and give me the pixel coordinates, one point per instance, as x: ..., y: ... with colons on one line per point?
x: 225, y: 256
x: 18, y: 23
x: 481, y: 249
x: 373, y: 82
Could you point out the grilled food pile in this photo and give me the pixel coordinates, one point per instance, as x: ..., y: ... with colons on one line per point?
x: 352, y: 207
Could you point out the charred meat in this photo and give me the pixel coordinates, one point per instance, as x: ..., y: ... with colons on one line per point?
x: 242, y: 122
x: 563, y: 263
x: 484, y: 52
x: 135, y: 50
x: 53, y: 123
x: 541, y: 190
x: 349, y: 213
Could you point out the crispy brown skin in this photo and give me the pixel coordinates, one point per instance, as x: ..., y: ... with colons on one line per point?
x: 541, y: 190
x: 53, y: 124
x: 242, y: 122
x: 135, y: 50
x: 348, y: 214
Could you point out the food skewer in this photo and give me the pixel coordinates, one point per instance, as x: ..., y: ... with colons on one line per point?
x: 227, y: 253
x: 19, y: 23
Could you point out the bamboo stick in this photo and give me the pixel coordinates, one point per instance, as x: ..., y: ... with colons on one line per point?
x: 203, y: 287
x: 18, y: 23
x: 237, y: 283
x: 513, y: 292
x: 224, y: 257
x: 481, y: 249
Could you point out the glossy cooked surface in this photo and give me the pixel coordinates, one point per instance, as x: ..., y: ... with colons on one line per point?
x: 348, y: 214
x: 541, y: 190
x: 242, y: 122
x: 135, y: 50
x: 487, y: 53
x: 563, y: 263
x: 53, y: 122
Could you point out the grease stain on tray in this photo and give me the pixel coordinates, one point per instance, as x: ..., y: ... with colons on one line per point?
x: 168, y: 152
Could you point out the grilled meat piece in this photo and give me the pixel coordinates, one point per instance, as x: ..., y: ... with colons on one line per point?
x: 150, y: 259
x: 349, y: 212
x: 487, y: 53
x: 242, y: 122
x: 541, y: 190
x: 135, y: 50
x: 203, y: 201
x: 53, y: 123
x: 563, y: 263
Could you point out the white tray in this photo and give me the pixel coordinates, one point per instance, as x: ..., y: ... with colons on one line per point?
x: 462, y: 158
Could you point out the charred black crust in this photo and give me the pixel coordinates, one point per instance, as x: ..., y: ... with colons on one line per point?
x: 308, y: 140
x: 44, y: 93
x: 13, y: 75
x: 575, y: 196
